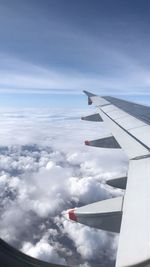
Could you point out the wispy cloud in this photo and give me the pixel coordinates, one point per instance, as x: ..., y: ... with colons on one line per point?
x: 19, y: 76
x: 105, y: 49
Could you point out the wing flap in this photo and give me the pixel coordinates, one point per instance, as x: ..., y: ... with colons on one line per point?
x: 134, y: 242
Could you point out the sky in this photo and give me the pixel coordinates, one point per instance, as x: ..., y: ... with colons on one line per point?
x: 53, y: 48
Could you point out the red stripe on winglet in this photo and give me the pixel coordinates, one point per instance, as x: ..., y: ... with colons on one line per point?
x: 87, y: 142
x: 72, y: 215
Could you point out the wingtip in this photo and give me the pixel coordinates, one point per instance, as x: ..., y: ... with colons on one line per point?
x: 89, y: 94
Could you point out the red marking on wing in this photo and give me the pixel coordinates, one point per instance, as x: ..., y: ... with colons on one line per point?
x: 72, y: 215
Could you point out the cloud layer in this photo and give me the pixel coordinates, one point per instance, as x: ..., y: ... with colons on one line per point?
x: 44, y: 170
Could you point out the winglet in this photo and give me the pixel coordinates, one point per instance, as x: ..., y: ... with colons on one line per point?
x: 88, y: 93
x: 89, y: 96
x: 97, y: 100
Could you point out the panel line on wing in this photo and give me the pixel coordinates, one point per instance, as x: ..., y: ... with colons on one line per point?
x: 138, y: 111
x: 120, y: 117
x: 141, y: 157
x: 136, y: 127
x: 104, y: 105
x: 127, y: 131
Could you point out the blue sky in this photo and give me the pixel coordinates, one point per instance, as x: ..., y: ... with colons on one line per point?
x: 67, y: 46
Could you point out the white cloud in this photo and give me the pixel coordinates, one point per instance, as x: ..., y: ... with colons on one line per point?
x: 91, y: 243
x: 43, y: 251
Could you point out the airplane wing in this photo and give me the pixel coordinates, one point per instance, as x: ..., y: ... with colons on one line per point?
x: 129, y: 215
